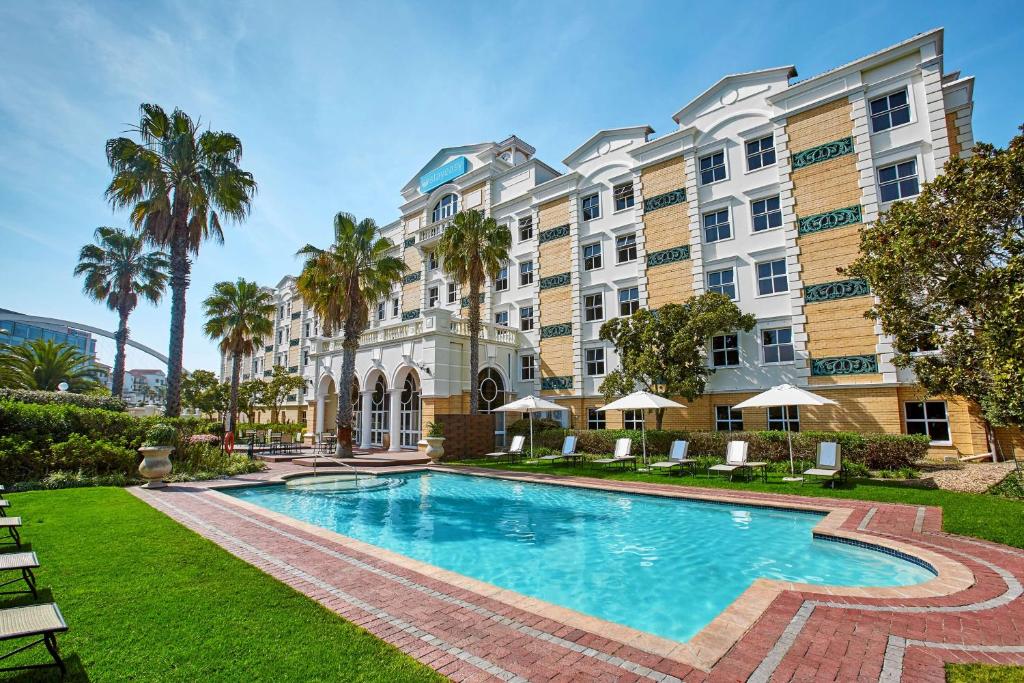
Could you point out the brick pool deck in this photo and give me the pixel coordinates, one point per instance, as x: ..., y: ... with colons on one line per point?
x: 470, y: 631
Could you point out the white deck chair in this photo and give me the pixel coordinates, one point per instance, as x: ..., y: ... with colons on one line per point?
x: 829, y: 462
x: 623, y: 447
x: 735, y: 459
x: 514, y: 451
x: 676, y: 457
x: 568, y: 450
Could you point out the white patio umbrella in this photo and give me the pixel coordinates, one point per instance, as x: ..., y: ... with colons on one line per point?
x: 783, y: 396
x: 530, y: 405
x: 642, y: 401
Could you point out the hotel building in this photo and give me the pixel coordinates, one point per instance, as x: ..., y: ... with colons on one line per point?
x: 759, y: 193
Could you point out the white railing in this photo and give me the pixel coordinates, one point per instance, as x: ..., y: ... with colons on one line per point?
x: 434, y: 229
x: 410, y: 329
x: 488, y: 331
x: 382, y: 335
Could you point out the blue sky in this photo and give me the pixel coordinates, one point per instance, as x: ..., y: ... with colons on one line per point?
x: 339, y: 104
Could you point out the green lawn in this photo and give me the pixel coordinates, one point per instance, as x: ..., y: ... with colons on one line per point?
x: 983, y: 673
x: 148, y: 600
x: 989, y: 517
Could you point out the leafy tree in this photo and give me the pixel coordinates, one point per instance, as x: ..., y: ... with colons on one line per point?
x: 948, y: 271
x: 241, y: 315
x: 118, y: 270
x: 178, y: 182
x: 277, y: 388
x: 199, y: 390
x: 340, y: 284
x: 250, y: 395
x: 665, y: 351
x: 43, y: 364
x: 471, y: 249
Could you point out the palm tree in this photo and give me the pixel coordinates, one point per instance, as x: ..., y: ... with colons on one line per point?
x: 240, y: 314
x: 178, y: 182
x: 43, y: 364
x: 471, y: 249
x: 340, y: 284
x: 118, y: 270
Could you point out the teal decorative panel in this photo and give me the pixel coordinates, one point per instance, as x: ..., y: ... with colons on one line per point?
x: 412, y: 277
x: 411, y: 315
x: 663, y: 200
x: 268, y: 349
x: 830, y: 291
x: 294, y: 369
x: 465, y: 300
x: 556, y: 383
x: 293, y: 342
x: 552, y: 281
x: 553, y: 234
x: 836, y: 218
x: 660, y: 258
x: 409, y: 241
x: 830, y: 150
x: 268, y: 373
x: 556, y: 330
x: 296, y: 315
x: 844, y: 365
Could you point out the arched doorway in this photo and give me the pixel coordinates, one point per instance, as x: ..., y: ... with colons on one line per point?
x: 491, y: 397
x: 409, y: 424
x: 379, y: 422
x: 326, y: 405
x: 357, y: 413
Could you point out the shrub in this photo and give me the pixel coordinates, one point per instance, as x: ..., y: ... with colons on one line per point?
x: 64, y: 398
x: 88, y: 456
x: 1010, y: 487
x: 161, y: 434
x: 521, y: 427
x: 19, y: 459
x: 209, y: 439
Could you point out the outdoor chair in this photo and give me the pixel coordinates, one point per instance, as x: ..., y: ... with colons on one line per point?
x: 829, y: 463
x: 514, y: 451
x: 41, y: 621
x: 4, y: 504
x: 676, y: 457
x: 568, y: 451
x: 622, y: 454
x: 23, y: 563
x: 11, y: 524
x: 736, y: 459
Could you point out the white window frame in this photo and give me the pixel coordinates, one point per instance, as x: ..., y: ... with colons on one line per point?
x: 618, y: 298
x: 728, y: 222
x: 526, y: 277
x: 907, y: 89
x: 501, y: 282
x: 453, y: 292
x: 501, y: 314
x: 732, y: 418
x: 440, y: 213
x: 599, y: 257
x: 596, y: 356
x: 596, y: 419
x: 895, y: 164
x: 735, y: 286
x: 596, y: 196
x: 753, y: 227
x: 629, y: 200
x: 725, y: 350
x: 725, y: 166
x: 527, y: 366
x: 760, y: 153
x: 757, y: 277
x: 432, y: 262
x: 634, y: 418
x: 526, y: 223
x: 764, y: 347
x: 394, y: 307
x: 526, y: 323
x: 618, y: 250
x: 926, y: 420
x: 784, y: 417
x: 587, y: 306
x: 433, y: 296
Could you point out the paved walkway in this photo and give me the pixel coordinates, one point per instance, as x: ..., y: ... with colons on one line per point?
x: 471, y: 632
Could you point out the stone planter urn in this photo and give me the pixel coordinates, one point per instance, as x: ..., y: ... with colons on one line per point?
x: 435, y: 447
x: 155, y: 465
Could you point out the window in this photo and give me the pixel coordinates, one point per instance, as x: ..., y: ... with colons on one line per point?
x: 381, y: 310
x: 625, y: 248
x: 778, y: 345
x: 725, y: 350
x: 525, y: 273
x: 446, y: 207
x: 394, y: 307
x: 593, y: 307
x: 890, y: 111
x: 501, y: 318
x: 595, y: 419
x: 592, y: 256
x: 623, y: 196
x: 771, y: 277
x: 431, y: 261
x: 526, y: 228
x: 632, y: 419
x: 501, y: 282
x: 527, y: 367
x: 280, y: 313
x: 898, y: 181
x: 629, y: 300
x: 783, y: 418
x: 723, y: 281
x: 716, y: 226
x: 432, y: 297
x: 712, y: 168
x: 307, y: 330
x: 280, y: 336
x: 594, y: 361
x: 591, y: 207
x: 766, y: 214
x: 305, y: 356
x: 728, y: 419
x: 453, y: 292
x: 761, y: 153
x: 526, y: 318
x: 929, y: 418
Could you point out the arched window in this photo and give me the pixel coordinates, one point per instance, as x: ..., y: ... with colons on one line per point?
x: 409, y: 427
x: 446, y: 207
x: 379, y: 413
x: 492, y: 390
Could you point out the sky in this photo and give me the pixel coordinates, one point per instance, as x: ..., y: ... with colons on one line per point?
x: 339, y: 104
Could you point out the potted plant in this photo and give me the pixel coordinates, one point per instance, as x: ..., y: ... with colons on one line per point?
x: 156, y: 450
x: 435, y: 441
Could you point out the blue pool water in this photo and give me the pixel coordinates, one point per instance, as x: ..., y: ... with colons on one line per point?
x: 665, y: 566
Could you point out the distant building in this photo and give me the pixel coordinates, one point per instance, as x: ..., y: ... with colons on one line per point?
x: 145, y: 387
x: 18, y: 333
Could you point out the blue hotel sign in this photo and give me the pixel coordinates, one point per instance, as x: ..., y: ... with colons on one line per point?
x: 442, y: 174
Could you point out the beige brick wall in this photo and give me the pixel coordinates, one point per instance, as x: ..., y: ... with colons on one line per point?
x: 556, y: 360
x: 839, y: 328
x: 412, y: 293
x: 826, y: 185
x: 822, y: 253
x: 952, y: 132
x: 556, y: 305
x: 828, y: 122
x: 671, y: 283
x: 553, y: 213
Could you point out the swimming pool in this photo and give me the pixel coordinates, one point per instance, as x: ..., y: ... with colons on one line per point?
x: 661, y: 565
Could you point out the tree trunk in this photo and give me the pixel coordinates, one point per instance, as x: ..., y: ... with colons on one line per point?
x: 236, y: 369
x: 349, y: 346
x: 659, y: 418
x: 120, y: 340
x: 180, y: 268
x: 474, y: 345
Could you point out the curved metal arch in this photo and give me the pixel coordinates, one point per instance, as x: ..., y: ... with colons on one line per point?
x: 21, y: 317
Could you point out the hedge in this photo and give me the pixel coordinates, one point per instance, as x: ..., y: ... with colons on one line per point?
x: 63, y: 398
x: 876, y: 451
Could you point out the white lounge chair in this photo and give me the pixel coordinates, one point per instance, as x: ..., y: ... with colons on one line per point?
x: 736, y: 459
x: 622, y: 456
x: 514, y: 451
x: 568, y: 451
x: 829, y: 462
x: 676, y: 457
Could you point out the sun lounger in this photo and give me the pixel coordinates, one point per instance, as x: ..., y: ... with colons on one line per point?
x: 621, y: 456
x: 4, y: 504
x: 736, y: 459
x: 12, y: 524
x: 829, y: 463
x: 676, y: 457
x: 514, y: 451
x: 568, y: 451
x: 41, y: 621
x: 20, y: 562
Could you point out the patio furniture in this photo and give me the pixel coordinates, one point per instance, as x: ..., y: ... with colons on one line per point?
x: 568, y: 451
x: 23, y: 563
x: 829, y: 464
x: 642, y: 401
x: 530, y: 405
x: 274, y: 440
x: 514, y: 451
x: 736, y: 459
x: 676, y: 457
x: 11, y: 524
x: 43, y: 621
x: 622, y: 454
x: 4, y: 504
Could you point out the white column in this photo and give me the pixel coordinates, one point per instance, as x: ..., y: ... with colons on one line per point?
x: 320, y: 404
x: 364, y: 418
x: 395, y: 419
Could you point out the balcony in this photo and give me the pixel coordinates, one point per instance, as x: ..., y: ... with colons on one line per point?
x: 432, y: 232
x: 436, y: 321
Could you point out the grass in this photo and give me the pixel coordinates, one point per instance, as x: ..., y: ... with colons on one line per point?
x: 983, y: 673
x: 983, y: 516
x: 148, y: 600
